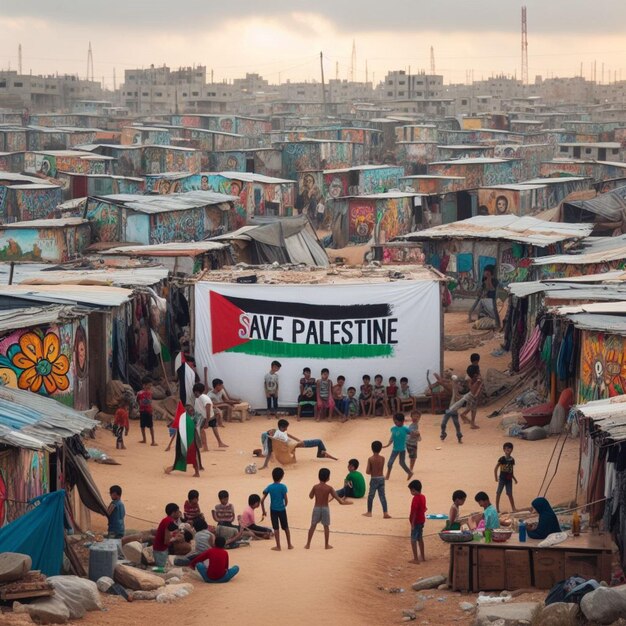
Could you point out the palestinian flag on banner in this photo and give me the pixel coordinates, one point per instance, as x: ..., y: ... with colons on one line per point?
x: 272, y: 328
x: 185, y: 443
x: 186, y: 380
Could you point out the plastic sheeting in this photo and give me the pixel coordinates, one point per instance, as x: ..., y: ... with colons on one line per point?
x: 39, y: 533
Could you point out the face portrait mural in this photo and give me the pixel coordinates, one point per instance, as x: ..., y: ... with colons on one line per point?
x: 231, y: 163
x: 80, y: 352
x: 235, y: 188
x: 502, y: 205
x: 204, y: 183
x: 335, y: 189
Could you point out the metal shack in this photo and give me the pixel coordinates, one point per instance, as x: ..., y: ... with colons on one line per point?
x: 52, y: 240
x: 508, y: 243
x: 190, y: 216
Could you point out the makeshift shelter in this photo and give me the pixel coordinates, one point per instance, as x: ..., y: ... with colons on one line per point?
x: 41, y: 451
x: 464, y: 249
x: 272, y: 240
x: 607, y: 211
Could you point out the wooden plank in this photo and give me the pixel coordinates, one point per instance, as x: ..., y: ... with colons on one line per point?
x: 518, y: 573
x: 491, y: 570
x: 18, y: 595
x: 547, y: 567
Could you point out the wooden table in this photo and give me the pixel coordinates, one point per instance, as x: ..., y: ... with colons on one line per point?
x: 478, y: 566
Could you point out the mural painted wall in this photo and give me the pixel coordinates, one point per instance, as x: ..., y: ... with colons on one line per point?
x: 570, y: 271
x: 13, y: 141
x: 514, y: 264
x: 602, y: 366
x: 43, y: 244
x: 500, y: 201
x: 431, y: 185
x: 24, y: 203
x: 158, y: 184
x: 380, y: 180
x: 12, y: 162
x: 161, y: 159
x: 362, y: 217
x: 191, y: 225
x: 476, y: 174
x: 394, y: 216
x: 107, y: 220
x: 50, y: 360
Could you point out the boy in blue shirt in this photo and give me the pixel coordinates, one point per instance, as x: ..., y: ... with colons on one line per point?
x: 278, y: 506
x: 399, y: 434
x: 116, y: 512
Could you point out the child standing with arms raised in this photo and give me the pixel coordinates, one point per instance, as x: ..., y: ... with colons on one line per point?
x: 278, y: 506
x: 375, y: 467
x: 417, y: 518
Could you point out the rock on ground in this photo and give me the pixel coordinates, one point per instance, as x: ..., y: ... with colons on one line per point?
x: 79, y: 594
x: 104, y: 583
x: 432, y: 582
x: 14, y: 566
x: 520, y: 613
x: 143, y: 595
x: 174, y: 592
x: 45, y: 610
x: 466, y: 606
x: 559, y: 614
x: 136, y: 579
x: 16, y: 619
x: 604, y: 605
x: 132, y: 551
x: 175, y: 572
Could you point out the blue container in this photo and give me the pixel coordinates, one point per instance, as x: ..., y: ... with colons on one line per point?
x: 522, y: 531
x: 102, y: 559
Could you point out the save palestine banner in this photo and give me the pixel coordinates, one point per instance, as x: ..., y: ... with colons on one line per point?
x: 391, y: 329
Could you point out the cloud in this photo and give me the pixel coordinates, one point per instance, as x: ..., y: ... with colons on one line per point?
x: 190, y: 16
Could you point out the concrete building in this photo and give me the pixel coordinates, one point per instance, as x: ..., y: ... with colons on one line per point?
x: 398, y: 85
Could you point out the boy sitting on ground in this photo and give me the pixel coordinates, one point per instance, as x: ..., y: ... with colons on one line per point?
x: 221, y: 400
x: 308, y: 393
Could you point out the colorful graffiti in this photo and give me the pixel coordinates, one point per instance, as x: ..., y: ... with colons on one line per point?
x: 50, y: 360
x: 500, y: 201
x: 108, y: 221
x: 546, y: 272
x: 361, y: 222
x: 13, y: 141
x: 602, y: 366
x: 393, y: 217
x: 34, y: 203
x: 514, y: 264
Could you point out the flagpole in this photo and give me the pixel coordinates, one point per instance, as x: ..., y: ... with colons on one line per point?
x: 167, y: 382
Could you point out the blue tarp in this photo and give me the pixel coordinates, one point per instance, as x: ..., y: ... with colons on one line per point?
x: 39, y: 533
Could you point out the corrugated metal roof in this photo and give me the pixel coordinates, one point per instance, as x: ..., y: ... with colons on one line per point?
x: 504, y: 228
x: 35, y: 186
x: 11, y: 319
x: 64, y: 293
x: 177, y: 248
x: 610, y: 205
x: 387, y: 195
x: 604, y: 323
x: 609, y: 415
x: 28, y: 420
x: 169, y: 202
x: 553, y: 181
x: 515, y: 187
x: 108, y: 278
x: 256, y: 178
x: 20, y: 178
x: 595, y: 307
x: 594, y: 250
x: 358, y: 168
x: 51, y: 223
x: 471, y: 161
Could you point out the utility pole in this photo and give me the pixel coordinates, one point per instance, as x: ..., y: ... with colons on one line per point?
x: 323, y: 85
x: 89, y: 63
x: 366, y: 72
x: 337, y: 70
x: 353, y: 62
x: 19, y: 59
x: 432, y: 61
x: 114, y: 81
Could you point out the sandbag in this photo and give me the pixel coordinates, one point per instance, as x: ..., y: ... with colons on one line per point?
x: 534, y: 433
x: 79, y: 594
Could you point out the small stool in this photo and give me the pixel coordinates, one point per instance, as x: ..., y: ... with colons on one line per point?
x: 240, y: 412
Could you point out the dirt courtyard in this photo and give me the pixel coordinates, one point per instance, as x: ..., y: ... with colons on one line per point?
x: 340, y: 585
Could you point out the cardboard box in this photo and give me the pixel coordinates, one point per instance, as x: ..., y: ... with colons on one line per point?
x: 547, y: 568
x: 518, y: 572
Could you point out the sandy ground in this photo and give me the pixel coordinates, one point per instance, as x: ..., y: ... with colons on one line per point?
x: 309, y: 587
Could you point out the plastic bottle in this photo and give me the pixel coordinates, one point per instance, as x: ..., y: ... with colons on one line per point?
x: 487, y: 535
x: 576, y: 524
x: 522, y: 531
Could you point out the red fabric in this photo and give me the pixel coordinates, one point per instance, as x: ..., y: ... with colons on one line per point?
x: 566, y: 399
x: 121, y: 418
x: 144, y: 398
x: 218, y: 562
x: 159, y: 538
x: 418, y: 510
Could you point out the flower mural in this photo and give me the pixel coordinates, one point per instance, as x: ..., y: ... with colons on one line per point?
x: 42, y: 364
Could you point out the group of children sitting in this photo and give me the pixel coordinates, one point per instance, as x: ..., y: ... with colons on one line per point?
x: 321, y: 398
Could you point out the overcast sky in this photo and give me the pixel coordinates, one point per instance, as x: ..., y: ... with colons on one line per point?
x: 284, y: 37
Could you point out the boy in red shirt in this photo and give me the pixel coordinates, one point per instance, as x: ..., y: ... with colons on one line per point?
x: 417, y: 519
x: 121, y: 425
x: 217, y: 570
x: 166, y: 533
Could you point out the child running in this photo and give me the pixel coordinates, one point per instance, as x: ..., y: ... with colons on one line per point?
x: 417, y: 519
x: 399, y: 434
x: 322, y: 492
x: 375, y: 467
x: 278, y: 507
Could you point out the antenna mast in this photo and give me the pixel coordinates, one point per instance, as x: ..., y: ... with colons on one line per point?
x: 432, y: 61
x: 90, y: 63
x: 353, y: 62
x: 19, y: 58
x: 524, y: 47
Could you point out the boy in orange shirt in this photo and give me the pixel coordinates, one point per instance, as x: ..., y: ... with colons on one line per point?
x: 121, y: 424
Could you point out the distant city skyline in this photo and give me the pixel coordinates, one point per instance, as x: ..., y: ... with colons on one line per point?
x: 281, y: 40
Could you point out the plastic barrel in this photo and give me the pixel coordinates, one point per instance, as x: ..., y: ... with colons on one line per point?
x: 102, y: 559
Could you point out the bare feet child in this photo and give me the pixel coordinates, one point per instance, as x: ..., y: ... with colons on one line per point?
x: 144, y: 399
x: 375, y: 467
x: 506, y: 465
x: 417, y: 518
x: 204, y: 406
x: 399, y: 435
x: 278, y: 507
x: 271, y: 389
x: 322, y: 492
x: 414, y: 437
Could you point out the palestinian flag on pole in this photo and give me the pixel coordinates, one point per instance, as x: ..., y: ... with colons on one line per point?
x: 273, y: 329
x: 185, y: 443
x: 186, y: 380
